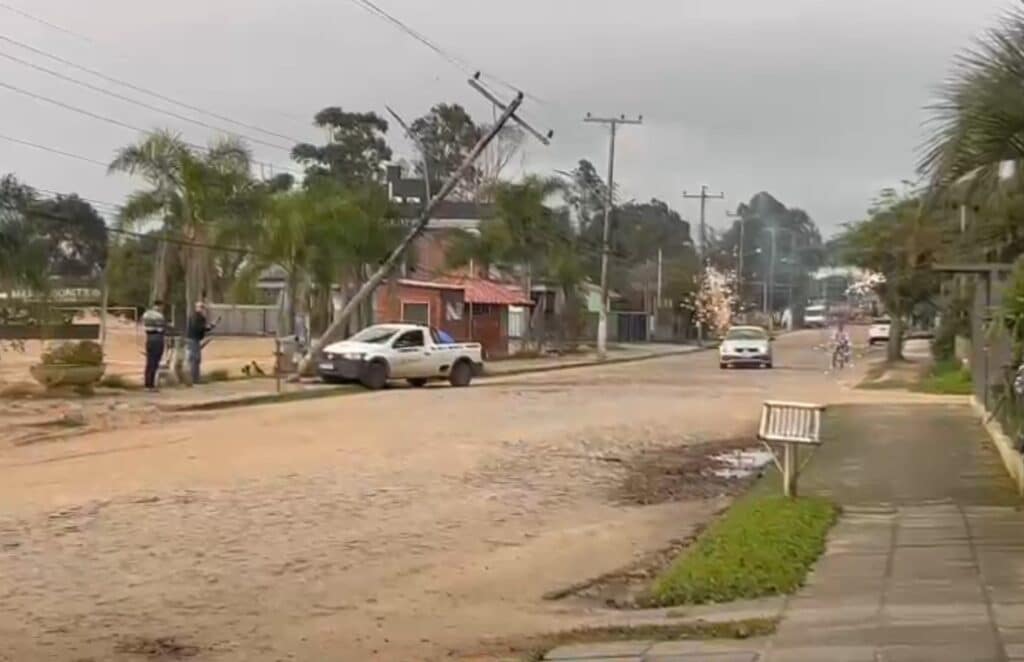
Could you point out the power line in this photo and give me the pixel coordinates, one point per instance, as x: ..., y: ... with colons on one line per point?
x: 457, y: 61
x: 53, y: 150
x: 43, y: 21
x: 111, y: 120
x: 141, y: 104
x: 143, y: 90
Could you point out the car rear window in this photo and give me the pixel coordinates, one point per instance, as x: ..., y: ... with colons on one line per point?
x: 746, y: 334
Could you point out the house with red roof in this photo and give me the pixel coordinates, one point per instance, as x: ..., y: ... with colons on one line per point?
x: 468, y: 309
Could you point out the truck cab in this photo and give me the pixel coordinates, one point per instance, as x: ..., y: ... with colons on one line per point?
x: 413, y: 352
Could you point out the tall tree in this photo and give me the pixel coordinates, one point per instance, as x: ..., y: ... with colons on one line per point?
x: 447, y: 134
x: 978, y: 119
x: 189, y: 193
x: 898, y: 241
x: 355, y: 152
x: 797, y: 244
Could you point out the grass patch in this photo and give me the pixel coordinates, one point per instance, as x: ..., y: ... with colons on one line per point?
x: 763, y: 545
x: 536, y: 648
x: 947, y: 378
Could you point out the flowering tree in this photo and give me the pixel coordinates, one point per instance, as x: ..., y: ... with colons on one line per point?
x: 714, y: 300
x: 868, y: 284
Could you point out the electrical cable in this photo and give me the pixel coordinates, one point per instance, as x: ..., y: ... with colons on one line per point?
x: 141, y: 104
x: 143, y: 90
x: 43, y: 21
x: 71, y: 155
x: 115, y: 122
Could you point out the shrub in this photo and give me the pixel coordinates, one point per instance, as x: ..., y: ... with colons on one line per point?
x: 85, y: 352
x: 761, y: 546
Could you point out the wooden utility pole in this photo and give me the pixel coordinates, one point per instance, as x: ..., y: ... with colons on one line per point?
x: 703, y: 196
x: 602, y: 320
x: 508, y: 113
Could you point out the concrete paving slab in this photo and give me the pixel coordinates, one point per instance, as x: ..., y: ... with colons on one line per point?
x: 730, y: 647
x: 969, y: 652
x: 601, y: 651
x: 751, y: 656
x: 821, y: 654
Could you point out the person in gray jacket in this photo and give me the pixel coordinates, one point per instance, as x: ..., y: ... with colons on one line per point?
x: 155, y: 326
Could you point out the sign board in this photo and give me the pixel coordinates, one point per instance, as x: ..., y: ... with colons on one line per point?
x: 792, y: 425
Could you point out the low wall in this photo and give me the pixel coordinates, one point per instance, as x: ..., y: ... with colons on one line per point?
x: 1004, y: 443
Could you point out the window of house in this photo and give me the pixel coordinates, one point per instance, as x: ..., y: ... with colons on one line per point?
x: 409, y: 339
x: 416, y: 313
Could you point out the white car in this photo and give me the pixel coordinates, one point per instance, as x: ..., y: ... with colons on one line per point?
x: 745, y: 346
x: 415, y: 353
x: 878, y: 332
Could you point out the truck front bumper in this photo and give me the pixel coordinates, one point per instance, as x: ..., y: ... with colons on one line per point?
x: 336, y: 367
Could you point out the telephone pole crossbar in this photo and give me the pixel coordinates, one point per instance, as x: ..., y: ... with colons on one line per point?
x: 602, y: 321
x: 703, y: 196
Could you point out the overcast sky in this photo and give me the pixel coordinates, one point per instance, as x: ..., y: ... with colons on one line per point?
x: 818, y: 102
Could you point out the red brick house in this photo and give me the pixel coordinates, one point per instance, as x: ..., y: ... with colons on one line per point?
x: 469, y: 309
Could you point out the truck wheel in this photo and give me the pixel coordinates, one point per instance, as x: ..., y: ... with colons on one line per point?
x: 419, y: 382
x: 461, y: 375
x: 376, y: 376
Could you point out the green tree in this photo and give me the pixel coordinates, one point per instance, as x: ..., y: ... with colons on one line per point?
x: 355, y: 153
x: 192, y: 195
x: 531, y: 239
x: 798, y: 250
x: 23, y: 250
x: 978, y: 119
x: 898, y: 241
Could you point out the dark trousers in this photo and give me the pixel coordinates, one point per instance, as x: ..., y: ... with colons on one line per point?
x: 154, y: 352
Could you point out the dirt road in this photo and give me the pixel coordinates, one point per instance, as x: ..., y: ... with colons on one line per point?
x: 400, y: 525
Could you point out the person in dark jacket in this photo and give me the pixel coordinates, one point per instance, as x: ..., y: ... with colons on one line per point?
x: 198, y: 327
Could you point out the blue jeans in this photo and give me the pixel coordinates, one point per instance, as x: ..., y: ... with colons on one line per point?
x: 195, y: 357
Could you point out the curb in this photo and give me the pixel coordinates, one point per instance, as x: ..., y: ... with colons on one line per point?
x: 328, y: 392
x: 260, y: 399
x: 1012, y: 459
x: 593, y: 363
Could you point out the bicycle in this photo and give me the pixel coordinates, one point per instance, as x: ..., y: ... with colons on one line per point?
x: 842, y: 356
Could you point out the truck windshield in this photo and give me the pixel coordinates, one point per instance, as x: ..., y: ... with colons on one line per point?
x: 375, y: 334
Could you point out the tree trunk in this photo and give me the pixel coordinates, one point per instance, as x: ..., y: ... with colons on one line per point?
x: 894, y: 350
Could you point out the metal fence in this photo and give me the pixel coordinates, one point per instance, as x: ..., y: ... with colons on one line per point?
x: 238, y: 320
x: 991, y: 355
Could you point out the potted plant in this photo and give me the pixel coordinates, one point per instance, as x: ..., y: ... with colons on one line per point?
x: 77, y: 364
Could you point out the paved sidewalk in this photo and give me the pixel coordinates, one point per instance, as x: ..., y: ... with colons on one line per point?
x: 927, y: 562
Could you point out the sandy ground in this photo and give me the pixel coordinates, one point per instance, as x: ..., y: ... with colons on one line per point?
x: 397, y: 525
x: 124, y: 353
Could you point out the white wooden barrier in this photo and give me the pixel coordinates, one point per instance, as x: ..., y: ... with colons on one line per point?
x: 792, y: 425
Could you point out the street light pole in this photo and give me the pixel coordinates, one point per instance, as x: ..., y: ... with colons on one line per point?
x: 602, y: 320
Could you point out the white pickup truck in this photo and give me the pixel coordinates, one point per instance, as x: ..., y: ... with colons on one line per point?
x: 411, y: 352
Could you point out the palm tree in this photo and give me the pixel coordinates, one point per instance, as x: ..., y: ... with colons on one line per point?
x: 529, y: 238
x: 977, y: 124
x: 190, y: 193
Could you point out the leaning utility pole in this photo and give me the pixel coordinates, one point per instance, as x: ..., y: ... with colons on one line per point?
x: 385, y: 268
x: 602, y: 319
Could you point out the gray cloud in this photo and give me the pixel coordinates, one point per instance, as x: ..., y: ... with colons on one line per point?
x: 817, y: 101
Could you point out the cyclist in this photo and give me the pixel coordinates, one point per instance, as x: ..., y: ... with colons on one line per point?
x: 841, y: 348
